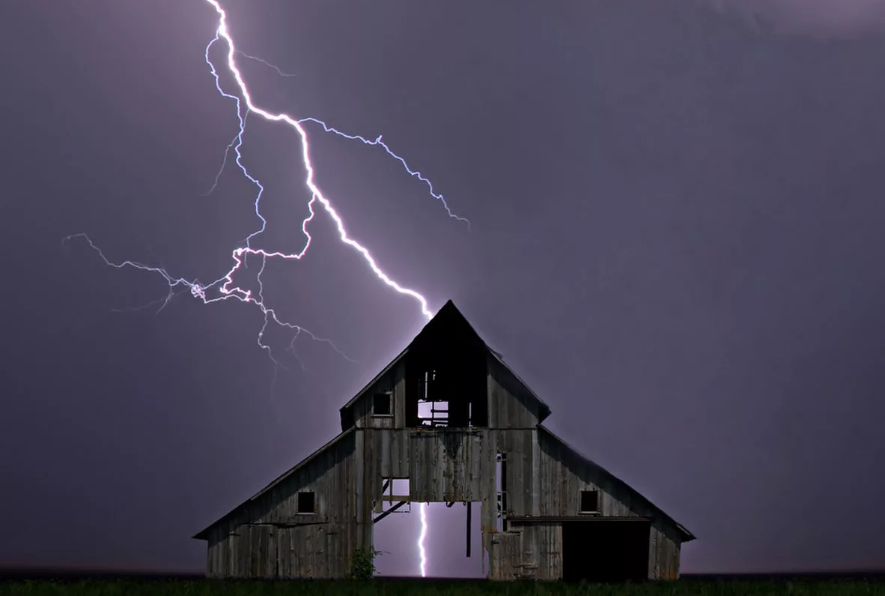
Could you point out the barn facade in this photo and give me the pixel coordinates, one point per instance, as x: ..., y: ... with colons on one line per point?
x: 448, y: 421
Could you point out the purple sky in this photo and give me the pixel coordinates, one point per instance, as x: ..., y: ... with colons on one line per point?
x: 819, y: 18
x: 676, y: 240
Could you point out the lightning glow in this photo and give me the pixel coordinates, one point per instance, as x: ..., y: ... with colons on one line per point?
x: 224, y: 288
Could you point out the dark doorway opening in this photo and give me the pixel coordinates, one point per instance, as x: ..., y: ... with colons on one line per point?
x: 605, y: 551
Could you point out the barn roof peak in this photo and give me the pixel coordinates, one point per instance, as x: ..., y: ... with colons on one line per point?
x: 447, y: 317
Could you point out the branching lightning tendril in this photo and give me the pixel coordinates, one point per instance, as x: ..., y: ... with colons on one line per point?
x: 266, y: 63
x: 224, y: 287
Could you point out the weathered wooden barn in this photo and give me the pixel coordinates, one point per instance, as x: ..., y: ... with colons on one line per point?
x: 448, y: 421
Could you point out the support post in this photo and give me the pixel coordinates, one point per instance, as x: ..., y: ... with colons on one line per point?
x: 469, y: 509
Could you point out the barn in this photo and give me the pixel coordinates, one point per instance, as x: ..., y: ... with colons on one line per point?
x: 448, y: 421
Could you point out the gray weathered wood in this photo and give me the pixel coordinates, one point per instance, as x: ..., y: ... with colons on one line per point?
x: 267, y: 536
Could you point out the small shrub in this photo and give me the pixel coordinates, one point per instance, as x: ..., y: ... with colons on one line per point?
x: 362, y: 564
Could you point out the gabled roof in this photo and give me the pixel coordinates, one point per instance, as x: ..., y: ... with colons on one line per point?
x: 446, y: 316
x: 686, y: 535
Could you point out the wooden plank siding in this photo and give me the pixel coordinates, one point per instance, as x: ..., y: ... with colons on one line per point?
x: 511, y: 404
x: 394, y: 381
x: 266, y: 537
x: 544, y: 480
x: 566, y: 474
x: 445, y: 464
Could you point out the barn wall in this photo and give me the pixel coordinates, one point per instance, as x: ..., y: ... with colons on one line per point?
x: 269, y: 539
x: 393, y: 380
x: 447, y: 464
x: 511, y: 404
x: 544, y: 478
x: 565, y: 474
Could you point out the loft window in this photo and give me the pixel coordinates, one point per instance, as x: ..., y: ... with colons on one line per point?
x: 381, y: 404
x: 433, y: 410
x: 589, y: 501
x: 307, y: 502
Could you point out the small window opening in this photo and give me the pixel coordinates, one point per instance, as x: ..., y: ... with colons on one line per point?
x: 589, y: 501
x: 399, y: 487
x: 382, y: 404
x: 307, y: 502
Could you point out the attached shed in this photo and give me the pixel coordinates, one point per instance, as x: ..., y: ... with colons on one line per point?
x: 449, y: 421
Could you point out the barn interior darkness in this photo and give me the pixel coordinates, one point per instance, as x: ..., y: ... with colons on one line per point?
x: 446, y: 377
x: 601, y: 550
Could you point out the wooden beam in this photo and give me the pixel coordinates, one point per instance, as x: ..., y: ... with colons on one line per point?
x: 388, y: 512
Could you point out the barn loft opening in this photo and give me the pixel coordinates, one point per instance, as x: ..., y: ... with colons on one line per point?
x: 446, y: 377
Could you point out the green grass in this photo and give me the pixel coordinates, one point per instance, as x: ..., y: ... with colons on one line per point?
x: 434, y: 588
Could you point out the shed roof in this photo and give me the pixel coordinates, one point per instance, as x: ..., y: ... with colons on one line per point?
x: 686, y: 535
x: 204, y: 533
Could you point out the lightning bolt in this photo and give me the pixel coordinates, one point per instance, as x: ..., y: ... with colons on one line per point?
x: 224, y: 287
x: 421, y: 539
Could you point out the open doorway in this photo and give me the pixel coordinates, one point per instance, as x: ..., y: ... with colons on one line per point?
x: 446, y: 543
x: 601, y: 550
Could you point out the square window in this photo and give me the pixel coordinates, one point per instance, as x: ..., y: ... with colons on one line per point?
x: 589, y: 501
x: 307, y: 502
x: 381, y: 404
x: 399, y: 487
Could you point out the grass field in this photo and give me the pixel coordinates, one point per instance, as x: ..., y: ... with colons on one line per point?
x: 432, y: 588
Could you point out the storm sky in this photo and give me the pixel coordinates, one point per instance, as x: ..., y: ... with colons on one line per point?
x: 677, y: 213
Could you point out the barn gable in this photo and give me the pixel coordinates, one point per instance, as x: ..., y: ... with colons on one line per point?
x: 447, y: 376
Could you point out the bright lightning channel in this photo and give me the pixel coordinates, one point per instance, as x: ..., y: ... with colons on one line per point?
x: 421, y: 540
x: 317, y: 193
x: 224, y: 287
